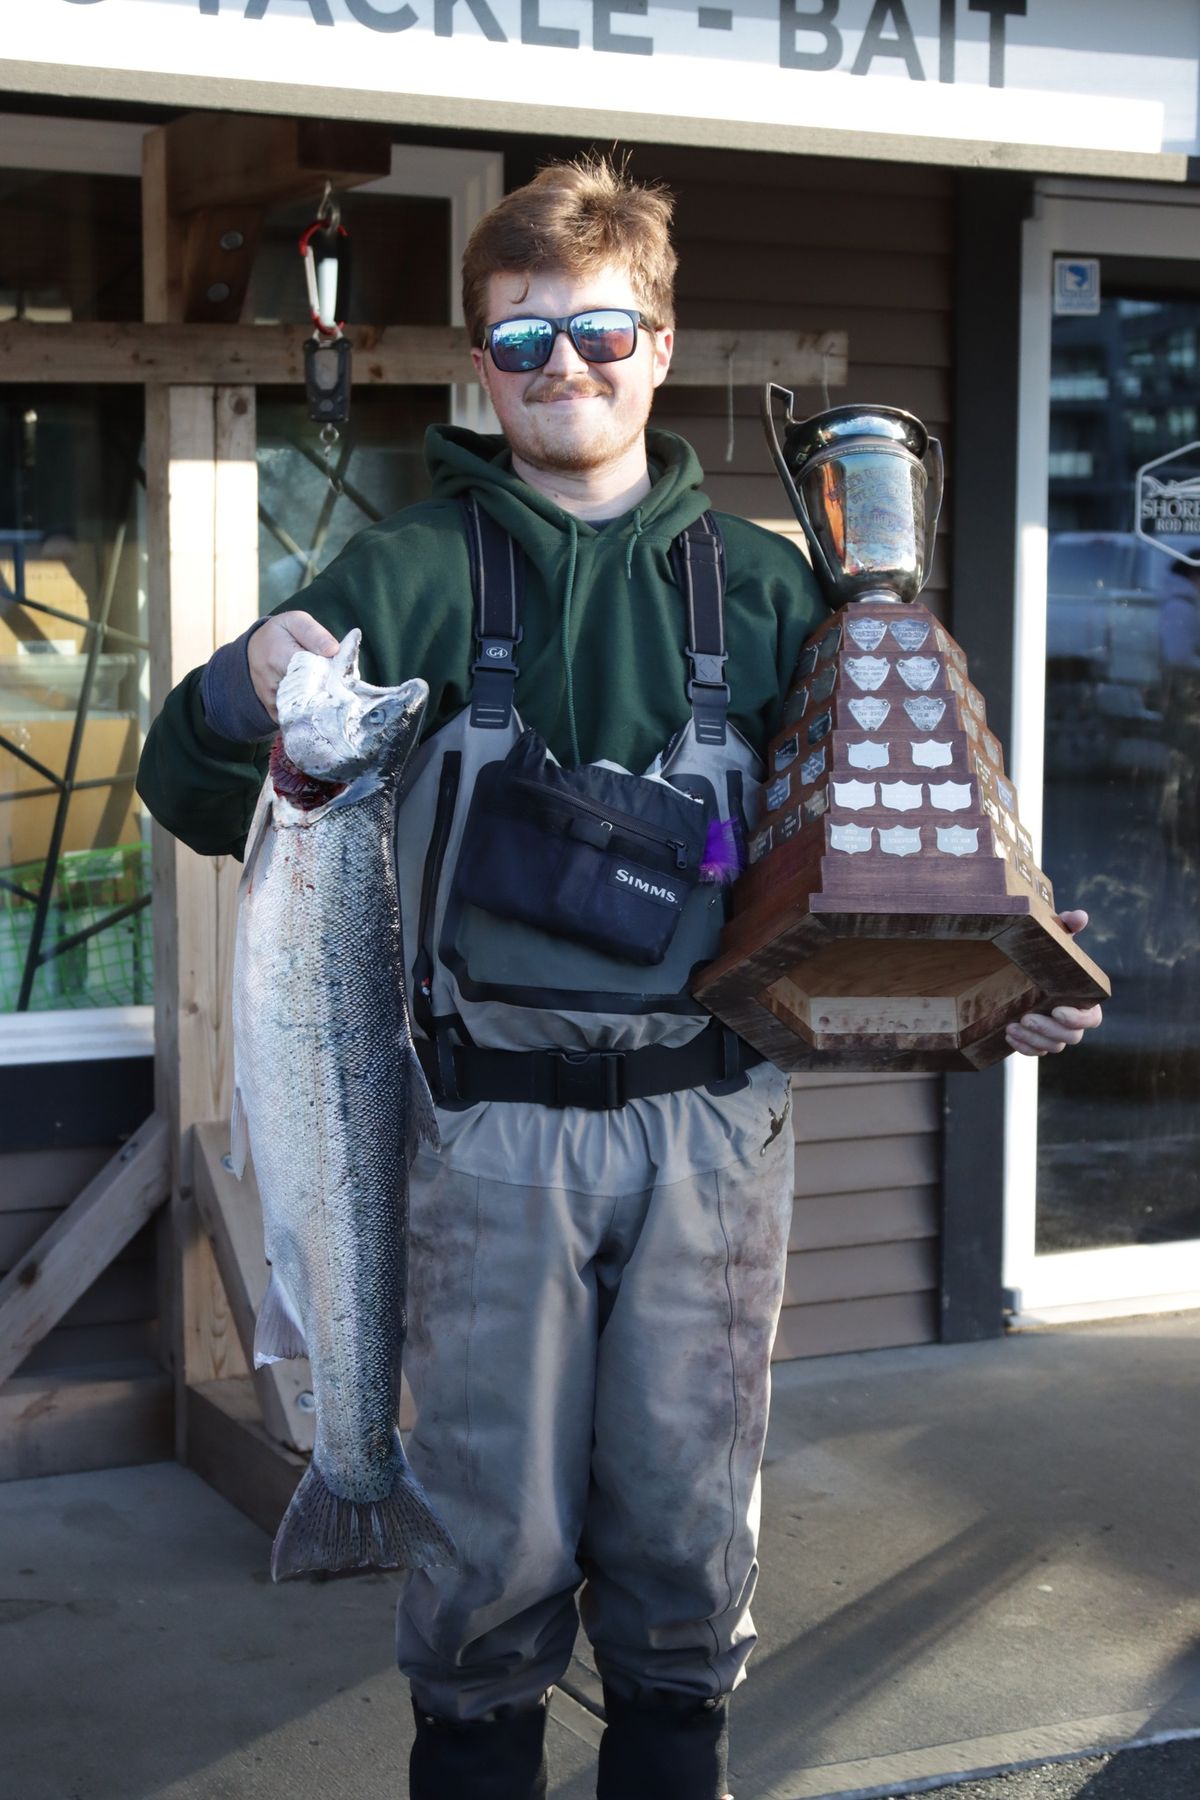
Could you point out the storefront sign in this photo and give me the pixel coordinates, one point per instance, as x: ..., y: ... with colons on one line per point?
x: 1168, y: 503
x: 1076, y: 286
x: 1104, y: 76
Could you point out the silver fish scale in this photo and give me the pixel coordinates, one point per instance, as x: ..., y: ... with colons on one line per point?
x: 320, y: 1013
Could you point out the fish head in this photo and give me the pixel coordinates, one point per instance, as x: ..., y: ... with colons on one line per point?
x: 337, y: 727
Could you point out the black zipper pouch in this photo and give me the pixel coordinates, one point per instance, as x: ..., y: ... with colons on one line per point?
x: 595, y: 855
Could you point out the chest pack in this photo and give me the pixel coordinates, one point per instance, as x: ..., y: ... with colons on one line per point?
x: 560, y: 916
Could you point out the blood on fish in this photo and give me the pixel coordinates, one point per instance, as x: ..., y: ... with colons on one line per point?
x: 304, y: 791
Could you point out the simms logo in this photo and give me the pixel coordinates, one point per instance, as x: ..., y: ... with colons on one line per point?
x: 626, y: 878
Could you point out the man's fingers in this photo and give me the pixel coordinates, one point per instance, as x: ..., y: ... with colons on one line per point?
x: 309, y: 633
x: 1074, y: 920
x: 1082, y: 1018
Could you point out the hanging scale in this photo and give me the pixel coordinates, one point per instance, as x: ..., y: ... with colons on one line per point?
x: 325, y: 251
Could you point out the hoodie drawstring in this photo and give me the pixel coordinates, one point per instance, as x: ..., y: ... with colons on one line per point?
x: 634, y: 536
x: 566, y: 640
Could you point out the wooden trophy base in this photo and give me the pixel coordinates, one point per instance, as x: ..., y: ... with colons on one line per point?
x: 892, y: 916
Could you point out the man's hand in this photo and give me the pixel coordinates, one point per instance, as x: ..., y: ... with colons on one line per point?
x: 273, y: 645
x: 1035, y: 1034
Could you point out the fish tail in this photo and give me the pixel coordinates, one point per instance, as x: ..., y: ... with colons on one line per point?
x: 322, y: 1532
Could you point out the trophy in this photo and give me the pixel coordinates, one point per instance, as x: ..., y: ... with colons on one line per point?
x: 892, y: 915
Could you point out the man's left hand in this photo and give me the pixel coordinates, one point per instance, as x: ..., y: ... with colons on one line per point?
x: 1036, y: 1034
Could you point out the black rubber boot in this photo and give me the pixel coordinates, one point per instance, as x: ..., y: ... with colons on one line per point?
x: 664, y: 1747
x: 483, y: 1759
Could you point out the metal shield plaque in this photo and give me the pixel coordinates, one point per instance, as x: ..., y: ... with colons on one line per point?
x: 821, y: 726
x: 870, y: 714
x: 761, y: 844
x: 854, y: 794
x: 812, y: 767
x: 925, y: 714
x: 867, y: 755
x: 910, y: 634
x: 958, y: 840
x: 975, y: 702
x: 786, y: 753
x: 854, y: 839
x: 867, y: 633
x: 808, y: 660
x: 983, y: 769
x: 823, y: 685
x: 900, y: 840
x: 830, y: 644
x: 954, y: 682
x: 789, y: 825
x: 868, y: 672
x: 918, y: 672
x: 950, y: 796
x: 778, y: 792
x: 900, y: 796
x: 795, y: 706
x: 816, y: 804
x: 992, y: 747
x: 1007, y: 794
x: 933, y: 753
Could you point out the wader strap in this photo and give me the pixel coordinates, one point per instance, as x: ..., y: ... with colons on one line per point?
x: 701, y: 562
x: 497, y: 572
x: 595, y: 1079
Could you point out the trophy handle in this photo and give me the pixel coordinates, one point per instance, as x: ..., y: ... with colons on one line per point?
x: 799, y: 505
x: 934, y: 464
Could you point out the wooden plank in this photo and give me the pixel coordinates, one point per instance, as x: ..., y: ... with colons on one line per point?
x: 862, y: 1165
x: 232, y: 1215
x: 94, y: 1350
x: 250, y: 159
x: 846, y: 1325
x: 391, y: 356
x: 229, y: 1448
x: 884, y: 1109
x: 887, y: 1216
x: 921, y: 282
x: 875, y: 334
x: 120, y: 1294
x: 810, y: 181
x: 58, y: 1426
x: 65, y: 1261
x: 860, y: 1271
x: 33, y: 1179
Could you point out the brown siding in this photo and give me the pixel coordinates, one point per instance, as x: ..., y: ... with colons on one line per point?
x: 863, y: 1268
x: 815, y: 245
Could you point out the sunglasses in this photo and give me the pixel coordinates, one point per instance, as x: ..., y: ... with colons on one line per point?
x: 602, y: 334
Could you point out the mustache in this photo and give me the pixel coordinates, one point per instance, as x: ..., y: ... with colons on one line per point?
x: 569, y: 387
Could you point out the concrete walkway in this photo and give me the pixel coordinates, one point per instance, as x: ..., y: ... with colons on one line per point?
x: 974, y: 1559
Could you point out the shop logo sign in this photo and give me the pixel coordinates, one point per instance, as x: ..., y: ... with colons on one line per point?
x: 1076, y: 286
x: 1168, y: 503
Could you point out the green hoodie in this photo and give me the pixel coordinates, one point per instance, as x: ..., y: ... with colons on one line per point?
x: 602, y: 665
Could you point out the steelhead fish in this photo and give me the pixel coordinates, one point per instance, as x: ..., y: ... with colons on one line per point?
x: 333, y: 1101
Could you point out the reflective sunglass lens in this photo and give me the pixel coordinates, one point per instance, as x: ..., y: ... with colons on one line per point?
x: 604, y: 335
x: 521, y: 344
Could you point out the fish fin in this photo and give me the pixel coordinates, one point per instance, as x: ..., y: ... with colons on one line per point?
x: 321, y: 1531
x: 239, y: 1134
x: 278, y: 1335
x: 422, y: 1115
x: 264, y: 812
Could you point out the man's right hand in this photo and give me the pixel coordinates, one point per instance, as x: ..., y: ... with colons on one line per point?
x: 273, y: 645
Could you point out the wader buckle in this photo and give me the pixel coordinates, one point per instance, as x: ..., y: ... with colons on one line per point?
x: 590, y: 1078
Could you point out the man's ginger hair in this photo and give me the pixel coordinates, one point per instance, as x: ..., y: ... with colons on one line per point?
x: 575, y: 216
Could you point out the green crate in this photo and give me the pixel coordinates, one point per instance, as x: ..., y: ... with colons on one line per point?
x: 114, y: 965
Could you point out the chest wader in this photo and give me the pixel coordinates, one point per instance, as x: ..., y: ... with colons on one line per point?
x: 509, y: 1012
x: 595, y: 1279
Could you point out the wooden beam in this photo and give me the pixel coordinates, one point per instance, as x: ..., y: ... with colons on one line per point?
x: 83, y: 1240
x: 229, y: 1448
x: 232, y: 1214
x: 387, y: 356
x: 61, y: 1425
x: 245, y: 159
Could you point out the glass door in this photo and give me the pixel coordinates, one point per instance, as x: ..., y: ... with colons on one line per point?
x: 1105, y: 1140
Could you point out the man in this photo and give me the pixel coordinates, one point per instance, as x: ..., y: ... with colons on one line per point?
x: 598, y: 1250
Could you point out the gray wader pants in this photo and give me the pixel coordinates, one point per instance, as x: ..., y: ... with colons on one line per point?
x: 593, y: 1298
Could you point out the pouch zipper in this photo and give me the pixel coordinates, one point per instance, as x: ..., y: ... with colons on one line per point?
x: 443, y: 816
x: 611, y: 817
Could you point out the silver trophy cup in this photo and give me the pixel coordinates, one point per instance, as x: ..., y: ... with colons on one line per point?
x: 865, y: 483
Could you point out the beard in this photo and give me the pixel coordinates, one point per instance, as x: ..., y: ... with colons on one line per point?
x: 553, y: 442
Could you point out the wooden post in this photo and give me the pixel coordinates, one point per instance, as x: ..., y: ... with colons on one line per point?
x: 202, y: 513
